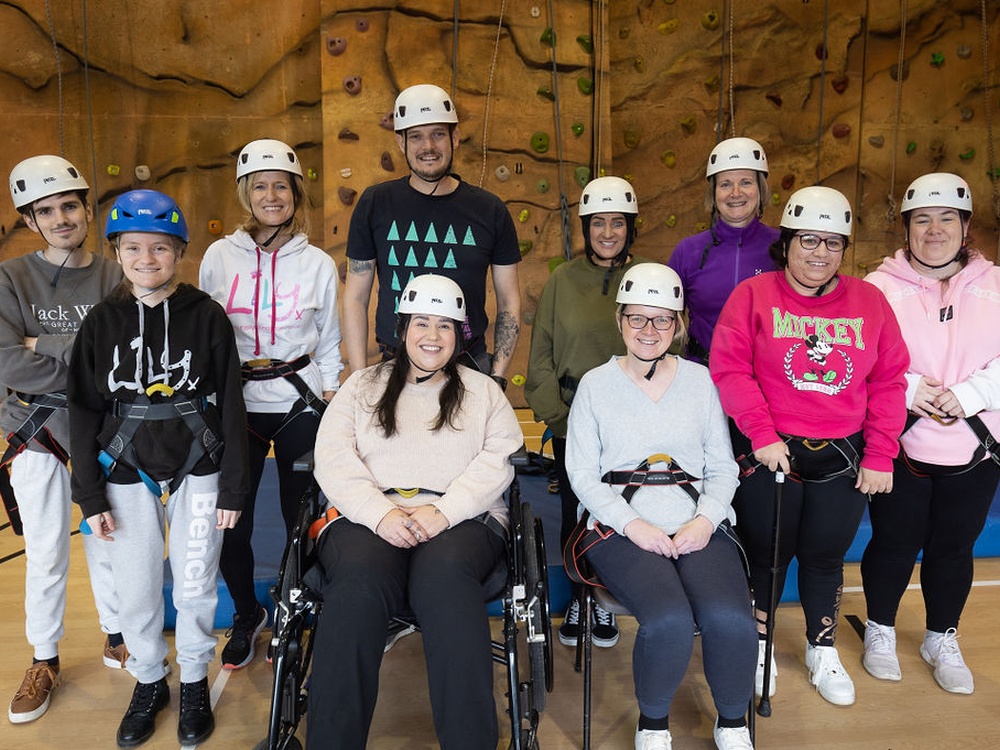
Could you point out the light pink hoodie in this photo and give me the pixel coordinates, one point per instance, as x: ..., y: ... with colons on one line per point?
x: 952, y: 330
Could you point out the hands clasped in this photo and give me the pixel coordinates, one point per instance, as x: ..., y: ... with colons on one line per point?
x: 408, y: 527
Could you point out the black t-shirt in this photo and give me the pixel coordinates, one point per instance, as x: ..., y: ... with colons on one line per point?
x: 458, y: 235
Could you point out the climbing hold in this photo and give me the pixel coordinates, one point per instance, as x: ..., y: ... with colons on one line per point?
x: 554, y: 263
x: 632, y: 137
x: 346, y: 172
x: 346, y: 134
x: 352, y: 85
x: 712, y: 84
x: 535, y: 11
x: 586, y: 43
x: 336, y: 45
x: 518, y: 380
x: 911, y: 147
x: 346, y: 195
x: 639, y: 63
x: 540, y: 142
x: 542, y: 185
x: 689, y: 124
x: 788, y: 182
x: 638, y: 222
x: 967, y: 155
x: 894, y: 71
x: 518, y: 167
x: 114, y: 170
x: 774, y: 97
x: 142, y: 173
x: 627, y: 176
x: 502, y: 173
x: 776, y: 199
x: 523, y: 215
x: 701, y: 226
x: 840, y: 84
x: 671, y: 221
x: 312, y: 174
x: 386, y: 121
x: 821, y: 53
x: 841, y: 130
x: 623, y: 32
x: 876, y: 140
x: 964, y: 51
x: 582, y: 175
x: 993, y: 174
x: 937, y: 59
x: 214, y: 226
x: 362, y: 24
x: 967, y: 114
x: 668, y: 27
x: 669, y: 2
x: 669, y: 158
x: 546, y: 93
x: 524, y: 246
x: 585, y: 85
x: 385, y: 161
x: 548, y: 37
x: 577, y: 129
x: 710, y: 20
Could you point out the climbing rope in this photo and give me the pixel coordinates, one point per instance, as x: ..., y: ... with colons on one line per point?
x: 489, y: 89
x: 95, y: 192
x: 563, y: 202
x: 732, y: 65
x: 822, y: 90
x: 994, y: 175
x: 454, y: 53
x: 890, y: 214
x: 59, y: 74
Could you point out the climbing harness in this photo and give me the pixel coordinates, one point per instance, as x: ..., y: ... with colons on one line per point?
x: 988, y: 445
x: 270, y: 369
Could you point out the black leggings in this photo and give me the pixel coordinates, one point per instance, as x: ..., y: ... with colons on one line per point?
x: 291, y: 443
x: 819, y: 520
x: 939, y: 514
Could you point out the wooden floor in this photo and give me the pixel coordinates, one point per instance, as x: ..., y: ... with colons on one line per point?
x: 912, y: 715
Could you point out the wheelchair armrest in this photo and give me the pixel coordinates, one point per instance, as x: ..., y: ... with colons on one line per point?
x: 305, y: 462
x: 520, y: 457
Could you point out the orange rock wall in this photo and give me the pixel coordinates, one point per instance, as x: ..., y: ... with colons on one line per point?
x: 180, y: 87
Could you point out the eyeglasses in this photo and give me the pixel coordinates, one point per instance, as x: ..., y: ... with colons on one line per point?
x: 660, y: 322
x: 811, y: 243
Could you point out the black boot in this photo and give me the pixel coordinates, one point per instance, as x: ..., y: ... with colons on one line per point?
x: 139, y: 722
x: 196, y: 721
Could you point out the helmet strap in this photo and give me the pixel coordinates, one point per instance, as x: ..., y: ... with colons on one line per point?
x: 652, y: 369
x: 277, y: 231
x: 911, y: 256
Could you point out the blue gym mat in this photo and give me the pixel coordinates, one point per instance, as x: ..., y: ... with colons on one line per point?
x: 269, y: 540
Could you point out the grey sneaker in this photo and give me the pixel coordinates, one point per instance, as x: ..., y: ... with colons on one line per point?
x: 941, y: 651
x: 880, y: 652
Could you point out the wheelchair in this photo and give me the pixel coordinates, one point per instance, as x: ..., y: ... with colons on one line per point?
x: 523, y: 590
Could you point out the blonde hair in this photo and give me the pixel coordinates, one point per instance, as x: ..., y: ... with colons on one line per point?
x: 300, y: 219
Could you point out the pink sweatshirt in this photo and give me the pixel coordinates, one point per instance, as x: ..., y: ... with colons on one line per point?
x: 817, y: 367
x: 953, y: 333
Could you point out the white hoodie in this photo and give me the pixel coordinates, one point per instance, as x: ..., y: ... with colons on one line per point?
x: 282, y: 304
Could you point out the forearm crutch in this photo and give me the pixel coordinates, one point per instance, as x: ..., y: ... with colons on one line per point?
x: 764, y: 706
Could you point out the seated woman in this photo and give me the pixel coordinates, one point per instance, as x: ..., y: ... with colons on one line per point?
x: 413, y: 453
x: 674, y: 561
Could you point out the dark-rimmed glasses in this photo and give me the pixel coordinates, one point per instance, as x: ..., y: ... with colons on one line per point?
x: 660, y: 322
x: 811, y: 242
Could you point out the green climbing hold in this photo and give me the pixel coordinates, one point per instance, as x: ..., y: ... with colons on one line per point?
x: 525, y: 246
x: 911, y: 147
x: 776, y: 199
x: 668, y: 27
x: 689, y: 124
x: 632, y: 137
x: 540, y: 142
x: 585, y: 85
x: 671, y: 221
x: 937, y: 59
x: 967, y: 155
x: 639, y: 63
x: 542, y: 185
x: 993, y: 174
x: 701, y: 226
x: 710, y: 20
x: 554, y: 263
x: 523, y: 215
x: 712, y: 84
x: 638, y: 222
x: 577, y: 129
x: 546, y: 93
x: 548, y: 37
x: 586, y: 43
x: 669, y: 158
x: 582, y: 175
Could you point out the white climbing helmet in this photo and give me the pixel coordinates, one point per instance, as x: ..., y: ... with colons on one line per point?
x: 820, y: 209
x: 431, y: 294
x: 937, y: 190
x: 736, y: 153
x: 607, y: 195
x: 423, y: 104
x: 41, y: 176
x: 266, y: 155
x: 652, y: 284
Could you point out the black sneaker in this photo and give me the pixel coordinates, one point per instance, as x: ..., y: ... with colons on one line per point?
x: 569, y: 631
x: 196, y: 721
x: 139, y: 722
x: 239, y: 651
x: 605, y: 632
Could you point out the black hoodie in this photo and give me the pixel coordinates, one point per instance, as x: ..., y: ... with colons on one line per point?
x: 190, y: 333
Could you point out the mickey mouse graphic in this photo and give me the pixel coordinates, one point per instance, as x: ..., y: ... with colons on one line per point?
x: 818, y: 350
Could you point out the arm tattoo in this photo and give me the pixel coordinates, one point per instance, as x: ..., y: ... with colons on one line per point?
x: 505, y: 335
x: 360, y: 266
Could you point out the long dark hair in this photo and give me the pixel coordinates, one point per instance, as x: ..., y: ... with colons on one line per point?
x: 452, y: 394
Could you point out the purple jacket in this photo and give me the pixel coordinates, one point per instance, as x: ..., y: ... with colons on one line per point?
x: 711, y: 272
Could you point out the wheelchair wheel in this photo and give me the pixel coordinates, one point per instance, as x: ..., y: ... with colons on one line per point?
x: 537, y: 588
x: 287, y: 697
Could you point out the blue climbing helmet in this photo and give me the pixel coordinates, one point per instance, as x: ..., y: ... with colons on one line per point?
x: 146, y: 211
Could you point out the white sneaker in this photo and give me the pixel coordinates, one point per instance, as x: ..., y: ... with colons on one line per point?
x: 880, y: 652
x: 758, y: 684
x: 652, y: 739
x: 732, y: 738
x: 828, y: 675
x: 941, y: 651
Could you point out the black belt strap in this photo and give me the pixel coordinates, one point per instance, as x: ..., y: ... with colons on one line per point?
x: 641, y: 475
x: 257, y: 369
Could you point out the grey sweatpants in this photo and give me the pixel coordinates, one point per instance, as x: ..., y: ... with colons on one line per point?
x: 137, y: 552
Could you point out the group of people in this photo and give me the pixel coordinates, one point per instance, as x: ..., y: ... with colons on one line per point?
x: 676, y: 394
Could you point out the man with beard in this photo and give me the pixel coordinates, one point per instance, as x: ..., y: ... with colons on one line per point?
x: 431, y: 222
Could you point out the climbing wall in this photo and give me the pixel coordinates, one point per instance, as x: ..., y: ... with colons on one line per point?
x: 164, y: 95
